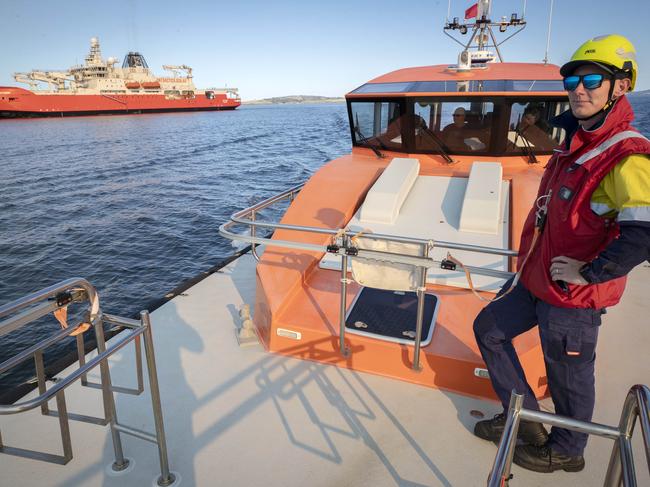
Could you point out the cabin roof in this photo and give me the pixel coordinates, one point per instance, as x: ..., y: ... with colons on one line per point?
x: 501, y: 78
x: 491, y: 71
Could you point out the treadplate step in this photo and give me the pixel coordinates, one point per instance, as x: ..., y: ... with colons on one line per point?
x: 391, y: 315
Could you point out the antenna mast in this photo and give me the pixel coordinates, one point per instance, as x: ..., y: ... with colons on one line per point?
x: 481, y: 31
x: 548, y: 37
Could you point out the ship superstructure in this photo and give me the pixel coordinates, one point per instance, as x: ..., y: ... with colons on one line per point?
x: 100, y: 86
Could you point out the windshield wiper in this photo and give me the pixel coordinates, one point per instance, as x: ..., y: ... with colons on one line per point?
x: 526, y: 148
x: 364, y: 140
x: 441, y: 145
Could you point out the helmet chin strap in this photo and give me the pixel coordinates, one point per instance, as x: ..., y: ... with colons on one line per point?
x: 606, y: 107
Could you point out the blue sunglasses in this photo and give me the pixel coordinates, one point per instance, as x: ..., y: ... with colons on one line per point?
x: 589, y: 81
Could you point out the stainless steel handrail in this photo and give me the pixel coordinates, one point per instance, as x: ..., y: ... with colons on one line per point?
x: 133, y: 332
x: 48, y: 292
x: 621, y: 464
x: 240, y: 217
x: 346, y: 249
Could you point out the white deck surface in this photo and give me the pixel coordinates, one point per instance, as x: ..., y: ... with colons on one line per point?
x: 242, y: 417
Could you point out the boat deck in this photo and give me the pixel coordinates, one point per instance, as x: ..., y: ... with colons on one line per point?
x: 241, y: 416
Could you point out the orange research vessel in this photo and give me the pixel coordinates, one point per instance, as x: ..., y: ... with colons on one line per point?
x: 366, y: 269
x: 99, y: 87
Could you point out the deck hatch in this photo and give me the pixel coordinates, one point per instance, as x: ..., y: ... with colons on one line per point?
x: 390, y: 315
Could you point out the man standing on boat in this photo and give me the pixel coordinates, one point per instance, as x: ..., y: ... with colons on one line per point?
x: 589, y: 228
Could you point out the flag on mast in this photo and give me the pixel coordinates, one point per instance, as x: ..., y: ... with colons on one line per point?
x: 472, y: 12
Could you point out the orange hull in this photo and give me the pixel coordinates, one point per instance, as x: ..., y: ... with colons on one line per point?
x: 293, y: 293
x: 18, y: 102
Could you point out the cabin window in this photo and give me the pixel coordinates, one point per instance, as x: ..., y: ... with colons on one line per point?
x: 377, y: 123
x: 529, y: 127
x: 453, y: 126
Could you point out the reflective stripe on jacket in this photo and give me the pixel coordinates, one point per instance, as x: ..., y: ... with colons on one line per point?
x: 572, y: 228
x: 625, y: 191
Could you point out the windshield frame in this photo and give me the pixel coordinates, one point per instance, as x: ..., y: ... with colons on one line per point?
x: 401, y: 101
x: 502, y: 106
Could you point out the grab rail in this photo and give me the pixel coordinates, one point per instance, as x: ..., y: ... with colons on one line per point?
x: 344, y: 246
x: 40, y: 303
x: 243, y: 217
x: 621, y: 463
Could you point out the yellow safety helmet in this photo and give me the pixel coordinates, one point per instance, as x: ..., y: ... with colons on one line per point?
x: 612, y: 52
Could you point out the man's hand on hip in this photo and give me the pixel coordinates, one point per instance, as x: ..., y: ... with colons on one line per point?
x: 567, y: 269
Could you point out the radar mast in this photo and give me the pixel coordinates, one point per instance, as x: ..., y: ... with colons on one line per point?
x: 476, y: 50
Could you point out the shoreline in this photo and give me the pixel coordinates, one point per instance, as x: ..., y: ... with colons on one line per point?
x: 294, y: 100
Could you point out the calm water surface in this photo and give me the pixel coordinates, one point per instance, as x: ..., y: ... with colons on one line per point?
x: 133, y: 203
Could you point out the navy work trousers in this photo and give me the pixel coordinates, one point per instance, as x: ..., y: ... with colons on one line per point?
x: 568, y: 337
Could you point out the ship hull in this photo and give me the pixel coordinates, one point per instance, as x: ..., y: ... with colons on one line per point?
x: 18, y: 102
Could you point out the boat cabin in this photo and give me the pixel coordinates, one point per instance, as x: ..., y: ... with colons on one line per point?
x: 495, y: 109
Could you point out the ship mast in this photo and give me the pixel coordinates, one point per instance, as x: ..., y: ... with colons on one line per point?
x: 481, y: 32
x: 94, y: 57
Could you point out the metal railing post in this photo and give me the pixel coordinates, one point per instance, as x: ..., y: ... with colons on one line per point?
x: 421, y: 294
x: 81, y: 356
x: 40, y: 378
x: 64, y: 424
x: 253, y: 233
x: 627, y: 461
x: 614, y: 475
x: 107, y: 393
x: 643, y: 400
x: 621, y: 462
x: 500, y: 473
x: 344, y: 289
x: 138, y: 364
x: 166, y: 477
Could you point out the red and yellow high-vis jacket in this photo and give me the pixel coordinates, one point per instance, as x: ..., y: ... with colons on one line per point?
x: 575, y: 180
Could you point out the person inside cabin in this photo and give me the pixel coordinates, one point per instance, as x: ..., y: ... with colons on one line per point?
x: 531, y: 129
x: 589, y: 228
x: 454, y: 134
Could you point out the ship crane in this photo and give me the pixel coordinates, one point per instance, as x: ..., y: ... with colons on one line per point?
x: 56, y: 79
x: 175, y: 69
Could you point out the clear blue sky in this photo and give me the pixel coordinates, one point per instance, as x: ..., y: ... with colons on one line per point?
x: 275, y: 48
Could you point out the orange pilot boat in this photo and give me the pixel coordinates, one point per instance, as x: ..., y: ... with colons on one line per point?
x: 366, y: 269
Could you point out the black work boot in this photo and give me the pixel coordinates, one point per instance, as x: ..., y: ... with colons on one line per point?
x: 544, y: 459
x: 529, y: 432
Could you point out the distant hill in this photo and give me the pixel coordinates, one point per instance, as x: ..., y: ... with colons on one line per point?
x: 278, y: 100
x: 640, y: 93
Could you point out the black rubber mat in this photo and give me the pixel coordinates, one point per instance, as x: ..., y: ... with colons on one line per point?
x: 390, y: 315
